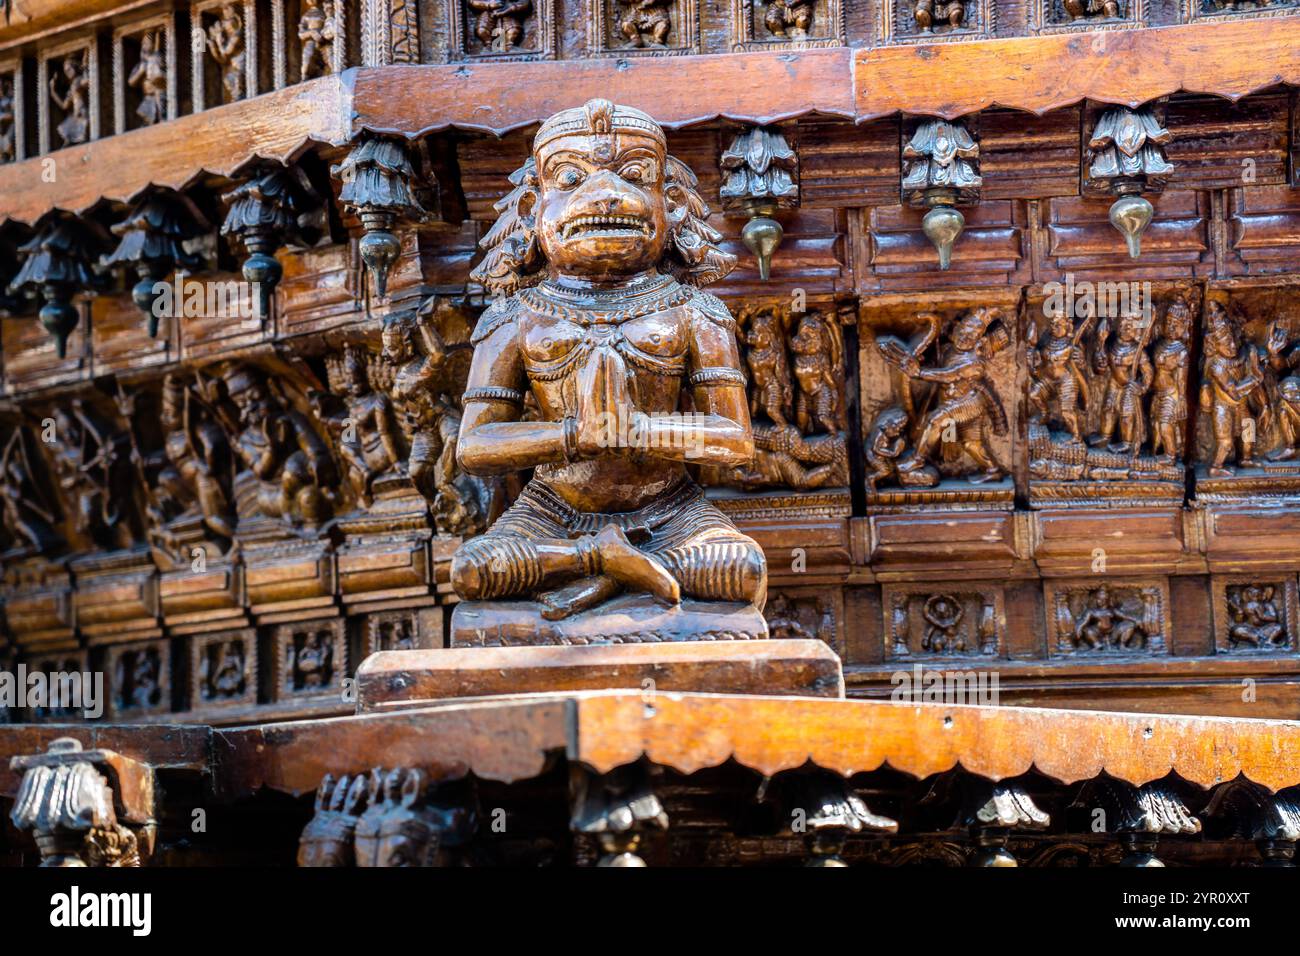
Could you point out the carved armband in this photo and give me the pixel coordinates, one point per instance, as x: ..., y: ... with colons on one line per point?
x: 493, y: 393
x: 716, y: 375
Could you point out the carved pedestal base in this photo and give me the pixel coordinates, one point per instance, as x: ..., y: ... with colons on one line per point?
x: 628, y: 619
x: 804, y: 668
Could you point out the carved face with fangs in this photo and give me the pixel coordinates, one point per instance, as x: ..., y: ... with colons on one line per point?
x: 602, y: 211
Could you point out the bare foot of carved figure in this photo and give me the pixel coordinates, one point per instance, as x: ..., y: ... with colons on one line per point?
x: 633, y: 568
x: 577, y: 596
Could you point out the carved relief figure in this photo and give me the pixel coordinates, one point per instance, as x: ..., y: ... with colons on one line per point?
x: 28, y: 514
x: 1106, y: 623
x: 316, y: 35
x: 150, y: 77
x: 886, y: 446
x: 931, y: 12
x: 1169, y: 391
x: 284, y: 460
x: 788, y: 18
x: 225, y: 43
x: 92, y: 463
x: 796, y: 402
x: 197, y: 470
x: 74, y: 101
x: 8, y: 117
x: 311, y: 659
x: 1091, y: 9
x: 1255, y: 616
x: 369, y: 440
x: 1128, y: 377
x: 499, y: 24
x: 221, y: 671
x: 942, y: 623
x: 1058, y: 391
x: 1119, y: 618
x: 645, y: 22
x: 425, y: 373
x: 138, y: 680
x: 1231, y: 387
x: 595, y: 258
x: 783, y: 622
x: 966, y: 407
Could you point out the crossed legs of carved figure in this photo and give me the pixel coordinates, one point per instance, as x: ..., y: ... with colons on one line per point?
x: 570, y: 561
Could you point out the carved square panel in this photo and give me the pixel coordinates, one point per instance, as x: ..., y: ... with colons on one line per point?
x: 311, y: 659
x: 1066, y: 16
x: 139, y: 678
x: 57, y: 669
x: 144, y: 73
x: 787, y: 24
x: 404, y: 630
x: 13, y: 104
x: 1107, y: 617
x: 938, y: 620
x: 806, y: 614
x: 514, y: 30
x: 1255, y: 614
x: 898, y: 20
x: 223, y: 670
x: 642, y: 27
x: 74, y: 116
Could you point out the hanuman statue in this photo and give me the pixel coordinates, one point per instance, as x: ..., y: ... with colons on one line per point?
x: 596, y: 261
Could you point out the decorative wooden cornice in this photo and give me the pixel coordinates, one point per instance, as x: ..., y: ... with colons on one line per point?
x: 1035, y: 74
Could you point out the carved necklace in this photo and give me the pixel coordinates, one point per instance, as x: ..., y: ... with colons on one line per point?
x: 588, y: 307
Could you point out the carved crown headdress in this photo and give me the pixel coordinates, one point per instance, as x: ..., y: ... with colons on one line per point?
x: 598, y: 118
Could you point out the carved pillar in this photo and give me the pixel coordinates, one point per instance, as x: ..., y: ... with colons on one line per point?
x: 760, y: 175
x: 151, y: 240
x: 617, y: 808
x: 277, y: 206
x: 823, y: 808
x: 940, y: 172
x: 72, y: 810
x: 1126, y: 158
x: 379, y: 187
x: 58, y: 265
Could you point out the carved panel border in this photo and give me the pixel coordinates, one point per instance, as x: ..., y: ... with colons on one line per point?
x: 896, y: 23
x: 1066, y: 602
x: 746, y: 36
x: 543, y: 22
x: 166, y: 26
x: 206, y: 654
x: 973, y: 615
x: 1226, y: 617
x: 44, y: 113
x: 684, y: 38
x: 12, y: 67
x: 1045, y: 18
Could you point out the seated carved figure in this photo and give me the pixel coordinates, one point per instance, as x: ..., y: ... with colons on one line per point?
x: 595, y: 260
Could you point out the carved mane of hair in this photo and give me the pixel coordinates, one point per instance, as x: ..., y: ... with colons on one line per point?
x: 514, y: 260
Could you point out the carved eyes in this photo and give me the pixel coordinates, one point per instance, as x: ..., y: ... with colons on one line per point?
x: 568, y: 176
x: 638, y: 171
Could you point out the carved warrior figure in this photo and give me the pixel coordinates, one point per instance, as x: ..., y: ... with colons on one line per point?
x: 1058, y: 391
x: 196, y: 471
x: 8, y: 117
x: 1128, y: 377
x: 596, y: 259
x: 285, y: 462
x: 425, y: 373
x: 1169, y: 391
x: 317, y: 32
x: 93, y: 467
x: 788, y: 18
x: 75, y: 100
x: 369, y: 439
x: 645, y: 22
x: 27, y: 515
x: 967, y: 406
x: 225, y: 42
x: 1231, y: 389
x: 929, y: 12
x: 150, y: 77
x: 499, y: 25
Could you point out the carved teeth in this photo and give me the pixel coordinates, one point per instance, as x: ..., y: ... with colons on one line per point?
x: 594, y: 223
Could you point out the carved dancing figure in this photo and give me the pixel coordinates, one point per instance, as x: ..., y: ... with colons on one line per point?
x: 791, y: 18
x: 317, y: 33
x: 225, y: 43
x: 645, y: 22
x: 1105, y: 623
x: 1058, y: 390
x: 818, y: 368
x: 943, y: 614
x: 150, y: 77
x: 595, y: 260
x: 782, y: 621
x: 75, y: 102
x: 968, y: 406
x: 499, y: 25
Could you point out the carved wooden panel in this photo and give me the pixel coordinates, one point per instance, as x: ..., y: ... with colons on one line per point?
x: 68, y: 87
x: 787, y: 24
x: 1092, y: 16
x: 310, y: 659
x: 642, y: 27
x: 516, y: 30
x: 226, y: 62
x: 66, y: 662
x: 940, y: 620
x: 146, y: 88
x: 1196, y: 10
x: 141, y: 679
x: 942, y: 21
x: 401, y: 630
x: 1263, y: 230
x: 1255, y: 614
x: 895, y: 255
x: 223, y: 670
x: 14, y: 144
x: 1107, y: 617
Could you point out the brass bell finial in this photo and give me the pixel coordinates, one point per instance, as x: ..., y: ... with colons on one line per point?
x: 761, y: 235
